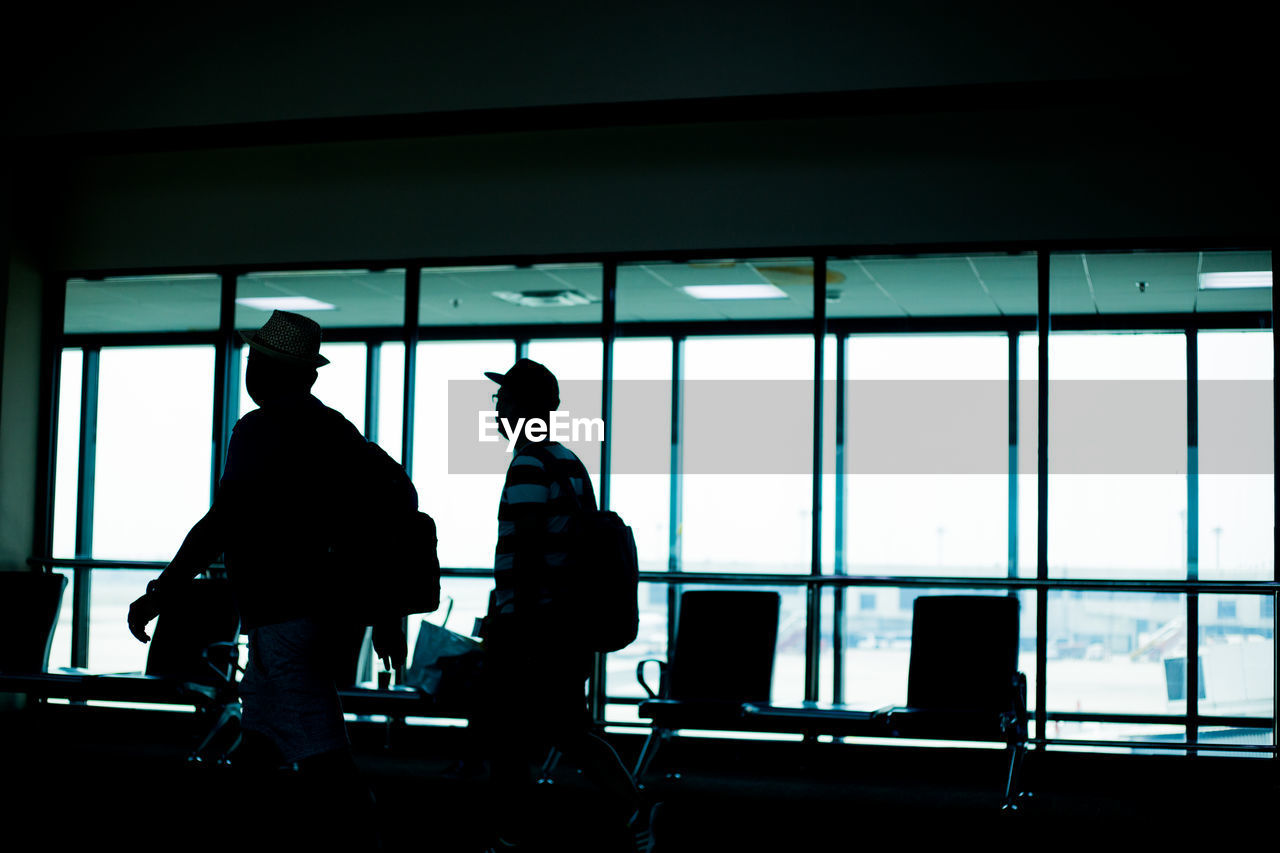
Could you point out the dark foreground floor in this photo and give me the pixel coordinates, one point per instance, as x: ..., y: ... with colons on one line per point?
x: 94, y: 778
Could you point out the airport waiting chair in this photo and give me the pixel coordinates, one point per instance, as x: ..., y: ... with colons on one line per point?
x: 963, y: 684
x: 963, y: 681
x: 722, y: 657
x: 29, y: 606
x: 191, y: 660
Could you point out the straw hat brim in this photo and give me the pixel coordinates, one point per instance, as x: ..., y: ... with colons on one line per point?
x: 317, y: 360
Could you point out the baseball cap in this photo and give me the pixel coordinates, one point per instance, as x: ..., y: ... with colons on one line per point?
x: 531, y: 381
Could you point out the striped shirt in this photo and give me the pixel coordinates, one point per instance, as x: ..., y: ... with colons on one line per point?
x: 532, y: 516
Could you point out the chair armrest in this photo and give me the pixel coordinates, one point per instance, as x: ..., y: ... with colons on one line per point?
x: 1018, y: 723
x: 662, y: 674
x: 223, y: 658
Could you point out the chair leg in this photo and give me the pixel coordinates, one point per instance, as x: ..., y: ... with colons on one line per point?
x: 657, y: 736
x: 222, y: 738
x: 548, y: 766
x: 1013, y: 782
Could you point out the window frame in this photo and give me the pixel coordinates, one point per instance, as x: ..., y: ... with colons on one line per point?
x: 819, y: 325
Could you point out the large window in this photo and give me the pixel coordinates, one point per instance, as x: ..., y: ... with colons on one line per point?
x: 151, y: 480
x: 640, y: 445
x: 68, y: 455
x: 1147, y: 584
x: 1117, y: 455
x: 927, y: 459
x: 747, y: 454
x: 464, y: 505
x: 1237, y: 471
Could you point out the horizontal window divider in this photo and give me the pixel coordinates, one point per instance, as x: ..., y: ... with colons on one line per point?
x: 1171, y: 322
x: 510, y: 331
x: 465, y: 573
x: 1260, y: 587
x: 1179, y: 720
x: 1158, y: 719
x: 359, y: 335
x: 73, y: 340
x: 708, y: 328
x: 1199, y: 746
x: 695, y: 328
x: 1160, y: 322
x: 74, y: 563
x: 71, y: 563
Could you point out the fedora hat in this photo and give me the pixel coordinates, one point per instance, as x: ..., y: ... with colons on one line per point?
x: 288, y: 337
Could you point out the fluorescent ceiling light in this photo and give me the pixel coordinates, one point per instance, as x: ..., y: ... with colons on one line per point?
x: 284, y: 303
x: 734, y: 291
x: 1234, y: 280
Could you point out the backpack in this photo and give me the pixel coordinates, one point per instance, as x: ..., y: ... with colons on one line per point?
x: 601, y: 580
x: 385, y: 562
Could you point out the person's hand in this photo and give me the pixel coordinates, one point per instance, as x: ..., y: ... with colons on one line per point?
x: 141, y: 612
x: 390, y: 644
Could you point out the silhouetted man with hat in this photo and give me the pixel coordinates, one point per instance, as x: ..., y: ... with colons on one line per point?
x: 294, y: 476
x: 535, y: 666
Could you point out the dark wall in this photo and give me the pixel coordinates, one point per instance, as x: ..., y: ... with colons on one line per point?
x: 1180, y: 156
x: 1072, y: 172
x: 150, y: 64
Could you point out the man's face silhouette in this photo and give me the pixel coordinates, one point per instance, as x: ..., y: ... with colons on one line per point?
x: 267, y: 378
x: 506, y: 410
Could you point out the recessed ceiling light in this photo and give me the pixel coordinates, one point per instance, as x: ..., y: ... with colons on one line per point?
x: 545, y: 298
x: 1234, y: 280
x: 284, y: 303
x: 734, y: 291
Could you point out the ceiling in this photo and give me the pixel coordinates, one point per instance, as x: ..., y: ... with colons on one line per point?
x: 915, y: 286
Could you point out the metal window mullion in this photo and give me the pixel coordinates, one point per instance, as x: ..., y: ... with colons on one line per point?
x: 1013, y: 454
x: 1192, y: 688
x: 1042, y: 486
x: 82, y: 579
x: 606, y: 371
x: 597, y: 689
x: 51, y: 343
x: 372, y: 384
x: 838, y: 511
x: 226, y: 374
x: 675, y: 506
x: 232, y: 411
x: 412, y: 291
x: 813, y: 592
